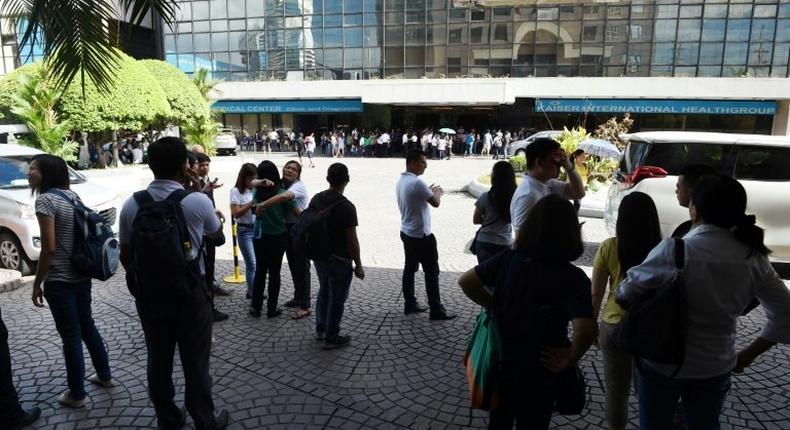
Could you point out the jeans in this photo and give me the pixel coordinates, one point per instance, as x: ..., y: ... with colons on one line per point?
x: 486, y: 250
x: 244, y: 235
x: 299, y: 265
x: 70, y: 304
x: 618, y: 367
x: 269, y: 250
x: 528, y: 403
x: 469, y: 150
x: 702, y: 400
x: 334, y: 278
x: 10, y: 411
x: 186, y: 322
x: 421, y: 251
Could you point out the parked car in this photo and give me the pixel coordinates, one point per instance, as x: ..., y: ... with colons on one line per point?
x: 20, y: 238
x: 652, y: 161
x: 519, y: 147
x: 226, y: 142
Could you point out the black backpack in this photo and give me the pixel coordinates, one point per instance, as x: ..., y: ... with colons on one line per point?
x: 159, y: 268
x: 656, y: 326
x: 311, y: 232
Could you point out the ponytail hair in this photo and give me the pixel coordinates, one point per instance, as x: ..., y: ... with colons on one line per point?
x: 721, y: 201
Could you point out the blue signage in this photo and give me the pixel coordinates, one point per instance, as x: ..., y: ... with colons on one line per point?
x: 288, y: 106
x: 720, y: 107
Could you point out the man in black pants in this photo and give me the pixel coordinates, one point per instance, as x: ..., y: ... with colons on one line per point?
x: 419, y: 244
x: 172, y: 317
x: 12, y: 416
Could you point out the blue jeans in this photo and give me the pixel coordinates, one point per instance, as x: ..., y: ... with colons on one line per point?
x: 245, y: 235
x: 702, y: 400
x: 334, y: 278
x: 486, y: 250
x: 70, y: 304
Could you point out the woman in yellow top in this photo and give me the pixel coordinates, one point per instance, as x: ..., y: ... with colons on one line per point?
x: 579, y: 157
x: 638, y: 231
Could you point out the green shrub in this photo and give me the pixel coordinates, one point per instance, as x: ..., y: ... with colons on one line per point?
x: 519, y: 163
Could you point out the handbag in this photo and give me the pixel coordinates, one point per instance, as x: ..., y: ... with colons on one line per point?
x: 656, y: 326
x: 571, y: 395
x: 473, y: 245
x: 483, y: 362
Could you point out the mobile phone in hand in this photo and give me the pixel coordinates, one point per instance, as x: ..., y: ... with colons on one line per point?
x: 215, y: 181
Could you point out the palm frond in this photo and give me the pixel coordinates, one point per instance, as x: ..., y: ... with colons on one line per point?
x: 140, y: 8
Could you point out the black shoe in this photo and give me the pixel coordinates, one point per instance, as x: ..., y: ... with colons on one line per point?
x: 276, y: 313
x: 255, y: 313
x: 249, y: 296
x: 441, y: 316
x: 219, y: 316
x: 414, y: 309
x: 221, y: 420
x: 291, y: 303
x: 180, y: 424
x: 336, y: 342
x: 31, y: 416
x: 219, y: 291
x: 319, y: 335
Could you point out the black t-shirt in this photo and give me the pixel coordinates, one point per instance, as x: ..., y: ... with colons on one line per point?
x: 341, y: 217
x: 533, y: 303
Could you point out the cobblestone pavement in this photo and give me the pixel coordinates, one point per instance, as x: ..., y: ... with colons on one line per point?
x: 399, y: 372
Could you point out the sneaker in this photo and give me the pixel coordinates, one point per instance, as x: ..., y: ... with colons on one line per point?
x: 98, y: 381
x: 291, y: 303
x: 219, y: 316
x: 336, y: 342
x: 65, y: 399
x: 414, y: 309
x: 219, y: 291
x: 31, y: 415
x: 319, y: 335
x: 221, y: 420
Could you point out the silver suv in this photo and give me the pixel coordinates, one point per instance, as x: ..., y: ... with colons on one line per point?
x: 20, y: 239
x: 520, y: 146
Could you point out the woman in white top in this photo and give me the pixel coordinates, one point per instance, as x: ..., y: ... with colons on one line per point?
x: 241, y: 208
x: 492, y: 213
x: 726, y: 267
x: 310, y: 143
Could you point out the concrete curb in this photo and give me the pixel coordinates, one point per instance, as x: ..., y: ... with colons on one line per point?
x: 593, y: 205
x: 10, y: 280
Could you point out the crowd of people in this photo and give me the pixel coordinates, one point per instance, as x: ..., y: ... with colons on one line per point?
x: 528, y: 238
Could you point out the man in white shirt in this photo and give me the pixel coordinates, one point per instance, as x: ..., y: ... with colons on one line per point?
x: 544, y: 159
x: 419, y: 243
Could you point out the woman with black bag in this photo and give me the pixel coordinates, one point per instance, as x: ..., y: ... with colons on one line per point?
x: 725, y: 268
x: 492, y: 213
x: 537, y: 291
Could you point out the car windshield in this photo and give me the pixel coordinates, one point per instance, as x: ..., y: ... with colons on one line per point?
x: 674, y: 156
x: 13, y: 172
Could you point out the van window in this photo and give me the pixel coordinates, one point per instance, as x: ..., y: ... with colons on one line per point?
x: 673, y: 156
x: 763, y: 163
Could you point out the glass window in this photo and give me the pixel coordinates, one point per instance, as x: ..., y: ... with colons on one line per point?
x: 689, y: 29
x: 184, y: 43
x: 594, y: 11
x: 690, y: 11
x: 333, y: 37
x: 457, y: 15
x: 740, y: 11
x: 170, y: 43
x: 436, y: 56
x: 202, y: 42
x: 687, y: 54
x: 545, y: 54
x: 715, y: 10
x: 237, y: 24
x: 352, y: 6
x: 641, y: 10
x: 478, y: 15
x: 735, y: 53
x: 437, y: 35
x: 713, y: 30
x: 394, y: 56
x: 640, y: 31
x: 781, y: 54
x: 352, y: 58
x: 393, y: 18
x: 333, y: 6
x: 666, y: 11
x: 415, y: 56
x: 548, y: 13
x: 393, y: 36
x: 415, y: 35
x: 711, y: 53
x: 593, y: 31
x: 617, y: 11
x: 186, y: 63
x: 184, y: 27
x: 760, y: 54
x: 333, y: 20
x: 663, y: 53
x: 765, y: 11
x: 783, y: 30
x: 238, y: 40
x: 318, y: 38
x: 457, y: 34
x: 415, y: 17
x: 738, y: 30
x: 784, y: 11
x: 709, y: 71
x: 293, y: 39
x: 201, y: 26
x: 685, y: 72
x: 437, y: 4
x: 310, y: 6
x: 394, y: 4
x: 256, y: 23
x: 763, y: 30
x: 352, y: 20
x: 219, y: 25
x: 218, y: 9
x: 412, y: 4
x: 665, y: 30
x: 503, y: 14
x: 373, y: 5
x: 778, y: 71
x: 478, y: 33
x: 570, y: 12
x: 219, y: 41
x: 437, y: 16
x: 616, y: 31
x: 237, y: 61
x: 371, y: 36
x: 525, y: 13
x: 372, y: 57
x: 502, y: 32
x: 352, y: 37
x: 762, y: 163
x: 236, y: 9
x: 371, y: 19
x: 548, y: 32
x: 200, y: 10
x: 184, y: 12
x: 333, y: 58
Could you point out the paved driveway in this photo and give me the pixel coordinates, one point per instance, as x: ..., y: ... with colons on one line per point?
x: 400, y: 371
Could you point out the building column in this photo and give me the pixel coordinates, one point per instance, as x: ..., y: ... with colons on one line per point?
x: 782, y: 118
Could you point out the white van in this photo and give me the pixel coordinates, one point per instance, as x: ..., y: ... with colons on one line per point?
x: 226, y: 142
x: 20, y: 238
x: 652, y: 161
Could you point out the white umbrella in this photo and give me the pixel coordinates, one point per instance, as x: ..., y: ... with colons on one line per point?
x: 446, y: 130
x: 600, y: 147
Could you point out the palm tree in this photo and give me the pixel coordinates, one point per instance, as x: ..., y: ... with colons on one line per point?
x: 204, y: 83
x: 76, y: 33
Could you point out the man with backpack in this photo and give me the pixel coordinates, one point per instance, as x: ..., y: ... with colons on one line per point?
x: 161, y: 231
x: 328, y: 229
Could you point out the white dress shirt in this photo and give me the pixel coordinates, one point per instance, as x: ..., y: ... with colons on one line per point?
x: 413, y: 195
x: 720, y: 282
x: 528, y: 193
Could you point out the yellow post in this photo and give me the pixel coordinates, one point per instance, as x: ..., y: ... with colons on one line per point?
x: 236, y: 277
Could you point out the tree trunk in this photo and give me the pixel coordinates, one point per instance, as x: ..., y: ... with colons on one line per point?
x: 114, y: 148
x: 96, y: 139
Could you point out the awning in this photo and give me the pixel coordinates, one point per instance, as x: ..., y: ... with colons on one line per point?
x: 288, y: 106
x: 688, y: 107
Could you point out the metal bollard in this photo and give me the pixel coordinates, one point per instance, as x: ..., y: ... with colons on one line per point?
x: 236, y: 277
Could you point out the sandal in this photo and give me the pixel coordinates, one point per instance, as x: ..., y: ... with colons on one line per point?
x: 301, y: 313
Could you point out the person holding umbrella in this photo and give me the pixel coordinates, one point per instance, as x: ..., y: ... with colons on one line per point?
x: 579, y: 158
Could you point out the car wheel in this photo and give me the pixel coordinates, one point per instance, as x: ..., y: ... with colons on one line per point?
x: 12, y: 256
x: 521, y: 152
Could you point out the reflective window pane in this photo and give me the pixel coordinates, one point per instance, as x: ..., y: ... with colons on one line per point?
x: 687, y: 54
x: 735, y: 53
x: 740, y: 11
x: 760, y: 54
x: 783, y: 30
x: 689, y: 29
x: 713, y: 30
x: 714, y: 71
x: 781, y: 54
x: 715, y: 10
x: 665, y: 30
x: 333, y: 37
x: 663, y: 53
x: 738, y: 30
x: 711, y: 53
x: 352, y: 37
x: 763, y: 30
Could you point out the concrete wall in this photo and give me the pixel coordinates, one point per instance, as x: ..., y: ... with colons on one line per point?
x: 782, y: 118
